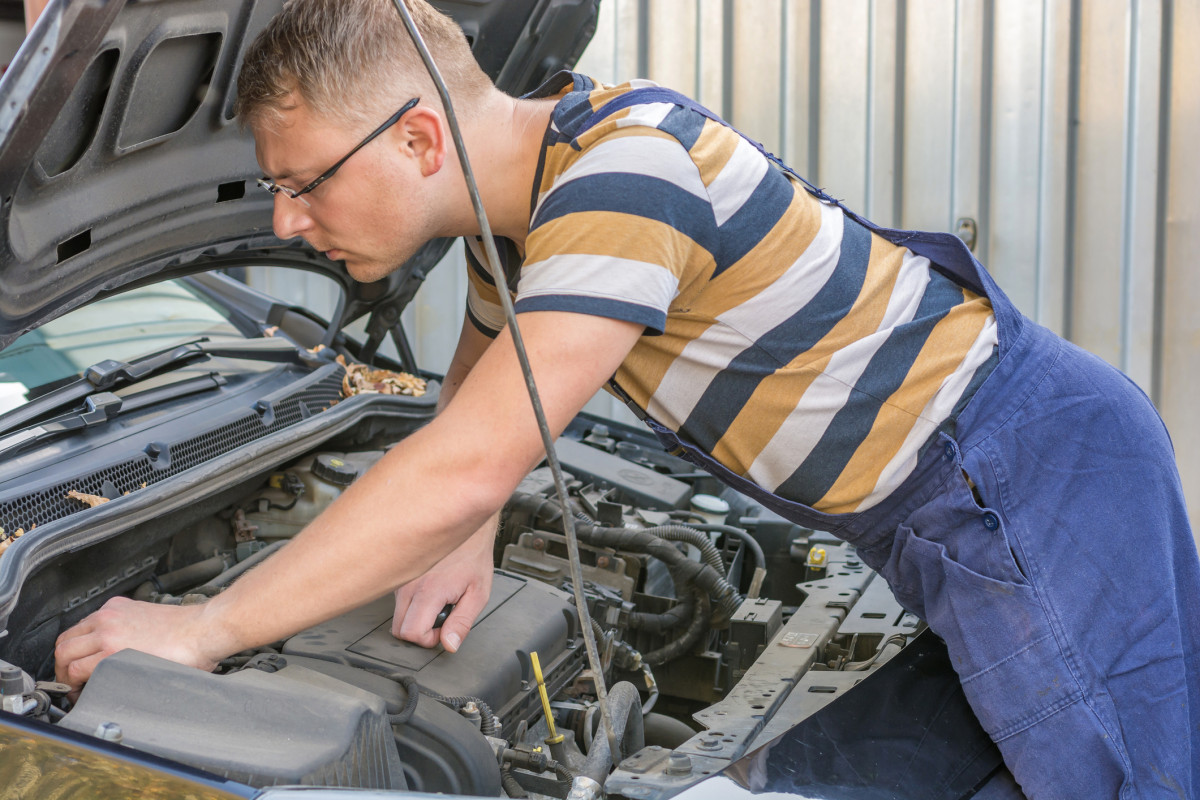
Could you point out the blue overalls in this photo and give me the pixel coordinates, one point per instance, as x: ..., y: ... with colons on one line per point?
x: 1065, y: 583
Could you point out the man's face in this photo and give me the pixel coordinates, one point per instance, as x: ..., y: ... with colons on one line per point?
x: 372, y: 213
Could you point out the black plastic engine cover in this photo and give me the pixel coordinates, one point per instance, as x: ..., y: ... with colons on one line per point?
x: 493, y: 662
x: 439, y: 749
x: 296, y: 726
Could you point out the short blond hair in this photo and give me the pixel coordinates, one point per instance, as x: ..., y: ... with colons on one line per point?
x: 352, y: 60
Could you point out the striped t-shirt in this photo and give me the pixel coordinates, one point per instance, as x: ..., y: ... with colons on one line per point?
x: 799, y: 349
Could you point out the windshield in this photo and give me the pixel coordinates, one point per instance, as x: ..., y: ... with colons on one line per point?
x: 119, y: 327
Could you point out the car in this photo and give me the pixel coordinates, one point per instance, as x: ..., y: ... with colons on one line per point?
x: 164, y: 427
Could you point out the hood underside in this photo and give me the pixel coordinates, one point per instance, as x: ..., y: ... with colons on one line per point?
x: 121, y: 162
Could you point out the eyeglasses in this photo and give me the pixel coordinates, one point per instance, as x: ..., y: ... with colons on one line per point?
x: 274, y: 188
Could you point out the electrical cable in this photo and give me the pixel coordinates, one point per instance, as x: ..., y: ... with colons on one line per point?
x: 510, y: 317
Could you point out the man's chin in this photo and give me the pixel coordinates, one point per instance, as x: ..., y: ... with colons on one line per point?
x: 365, y: 271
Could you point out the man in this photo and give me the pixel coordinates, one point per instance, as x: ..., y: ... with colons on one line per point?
x: 871, y: 383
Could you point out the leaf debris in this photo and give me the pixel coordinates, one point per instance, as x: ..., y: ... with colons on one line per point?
x: 361, y: 379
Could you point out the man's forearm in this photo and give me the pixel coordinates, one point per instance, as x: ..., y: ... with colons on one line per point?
x: 381, y: 533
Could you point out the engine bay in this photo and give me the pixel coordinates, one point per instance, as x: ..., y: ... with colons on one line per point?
x: 720, y: 625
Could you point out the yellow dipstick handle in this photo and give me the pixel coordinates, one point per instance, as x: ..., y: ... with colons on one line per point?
x: 555, y: 737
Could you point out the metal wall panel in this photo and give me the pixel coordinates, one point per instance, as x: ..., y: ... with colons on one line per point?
x: 1177, y: 368
x: 1065, y: 130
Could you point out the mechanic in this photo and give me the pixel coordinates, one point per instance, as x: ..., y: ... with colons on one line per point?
x: 1017, y: 493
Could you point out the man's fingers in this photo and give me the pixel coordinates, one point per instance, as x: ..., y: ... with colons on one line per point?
x: 417, y: 625
x: 72, y: 647
x: 75, y: 659
x: 458, y: 624
x: 78, y: 671
x: 404, y: 597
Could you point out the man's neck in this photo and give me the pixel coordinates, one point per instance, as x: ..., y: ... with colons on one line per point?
x: 504, y: 142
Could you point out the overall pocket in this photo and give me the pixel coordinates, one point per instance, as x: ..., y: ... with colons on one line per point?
x: 951, y: 563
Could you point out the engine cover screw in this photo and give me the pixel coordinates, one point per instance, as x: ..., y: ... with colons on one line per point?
x: 109, y: 732
x: 602, y: 562
x: 539, y: 544
x: 709, y: 744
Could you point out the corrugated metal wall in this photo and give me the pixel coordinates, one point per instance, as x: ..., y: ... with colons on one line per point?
x: 1065, y: 131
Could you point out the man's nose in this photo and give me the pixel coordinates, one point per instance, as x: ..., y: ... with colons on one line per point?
x: 290, y: 217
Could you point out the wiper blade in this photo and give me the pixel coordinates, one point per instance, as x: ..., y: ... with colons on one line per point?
x: 110, y: 374
x: 103, y: 407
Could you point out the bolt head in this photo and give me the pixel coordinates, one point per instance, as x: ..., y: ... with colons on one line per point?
x: 679, y: 764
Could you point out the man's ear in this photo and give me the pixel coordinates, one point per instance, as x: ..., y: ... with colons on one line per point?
x: 421, y: 136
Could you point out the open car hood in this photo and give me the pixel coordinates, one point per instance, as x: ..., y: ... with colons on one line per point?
x: 121, y: 162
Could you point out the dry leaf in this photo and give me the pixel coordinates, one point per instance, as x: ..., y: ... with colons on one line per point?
x: 90, y: 500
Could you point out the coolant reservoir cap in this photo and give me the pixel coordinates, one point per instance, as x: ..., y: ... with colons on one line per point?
x: 334, y: 470
x: 709, y: 504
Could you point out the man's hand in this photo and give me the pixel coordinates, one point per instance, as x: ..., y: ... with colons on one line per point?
x: 463, y: 578
x: 173, y: 632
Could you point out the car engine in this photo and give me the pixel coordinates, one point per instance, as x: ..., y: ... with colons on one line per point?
x: 720, y: 626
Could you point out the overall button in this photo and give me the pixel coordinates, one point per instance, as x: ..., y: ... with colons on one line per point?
x: 991, y: 521
x: 949, y: 451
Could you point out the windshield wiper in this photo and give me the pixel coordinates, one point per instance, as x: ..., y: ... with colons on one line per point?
x: 103, y: 407
x: 109, y: 374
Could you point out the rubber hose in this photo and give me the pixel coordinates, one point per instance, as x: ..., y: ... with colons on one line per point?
x: 182, y: 578
x: 625, y: 711
x: 760, y: 558
x: 228, y: 576
x: 410, y: 704
x: 511, y: 787
x: 695, y: 537
x: 487, y: 720
x: 565, y: 775
x: 682, y: 569
x: 598, y: 632
x: 681, y: 645
x: 674, y: 617
x: 665, y: 732
x: 627, y: 658
x: 550, y: 514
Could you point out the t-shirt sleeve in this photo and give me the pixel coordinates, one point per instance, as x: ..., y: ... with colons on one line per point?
x: 483, y: 302
x: 618, y: 230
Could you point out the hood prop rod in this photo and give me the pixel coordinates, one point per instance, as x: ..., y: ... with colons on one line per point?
x: 560, y: 483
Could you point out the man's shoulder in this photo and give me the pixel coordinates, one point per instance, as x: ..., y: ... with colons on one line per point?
x: 590, y: 110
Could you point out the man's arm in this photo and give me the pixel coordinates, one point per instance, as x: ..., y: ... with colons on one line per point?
x: 394, y: 523
x: 464, y: 577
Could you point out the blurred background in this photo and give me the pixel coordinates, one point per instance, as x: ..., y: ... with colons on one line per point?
x: 1057, y: 137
